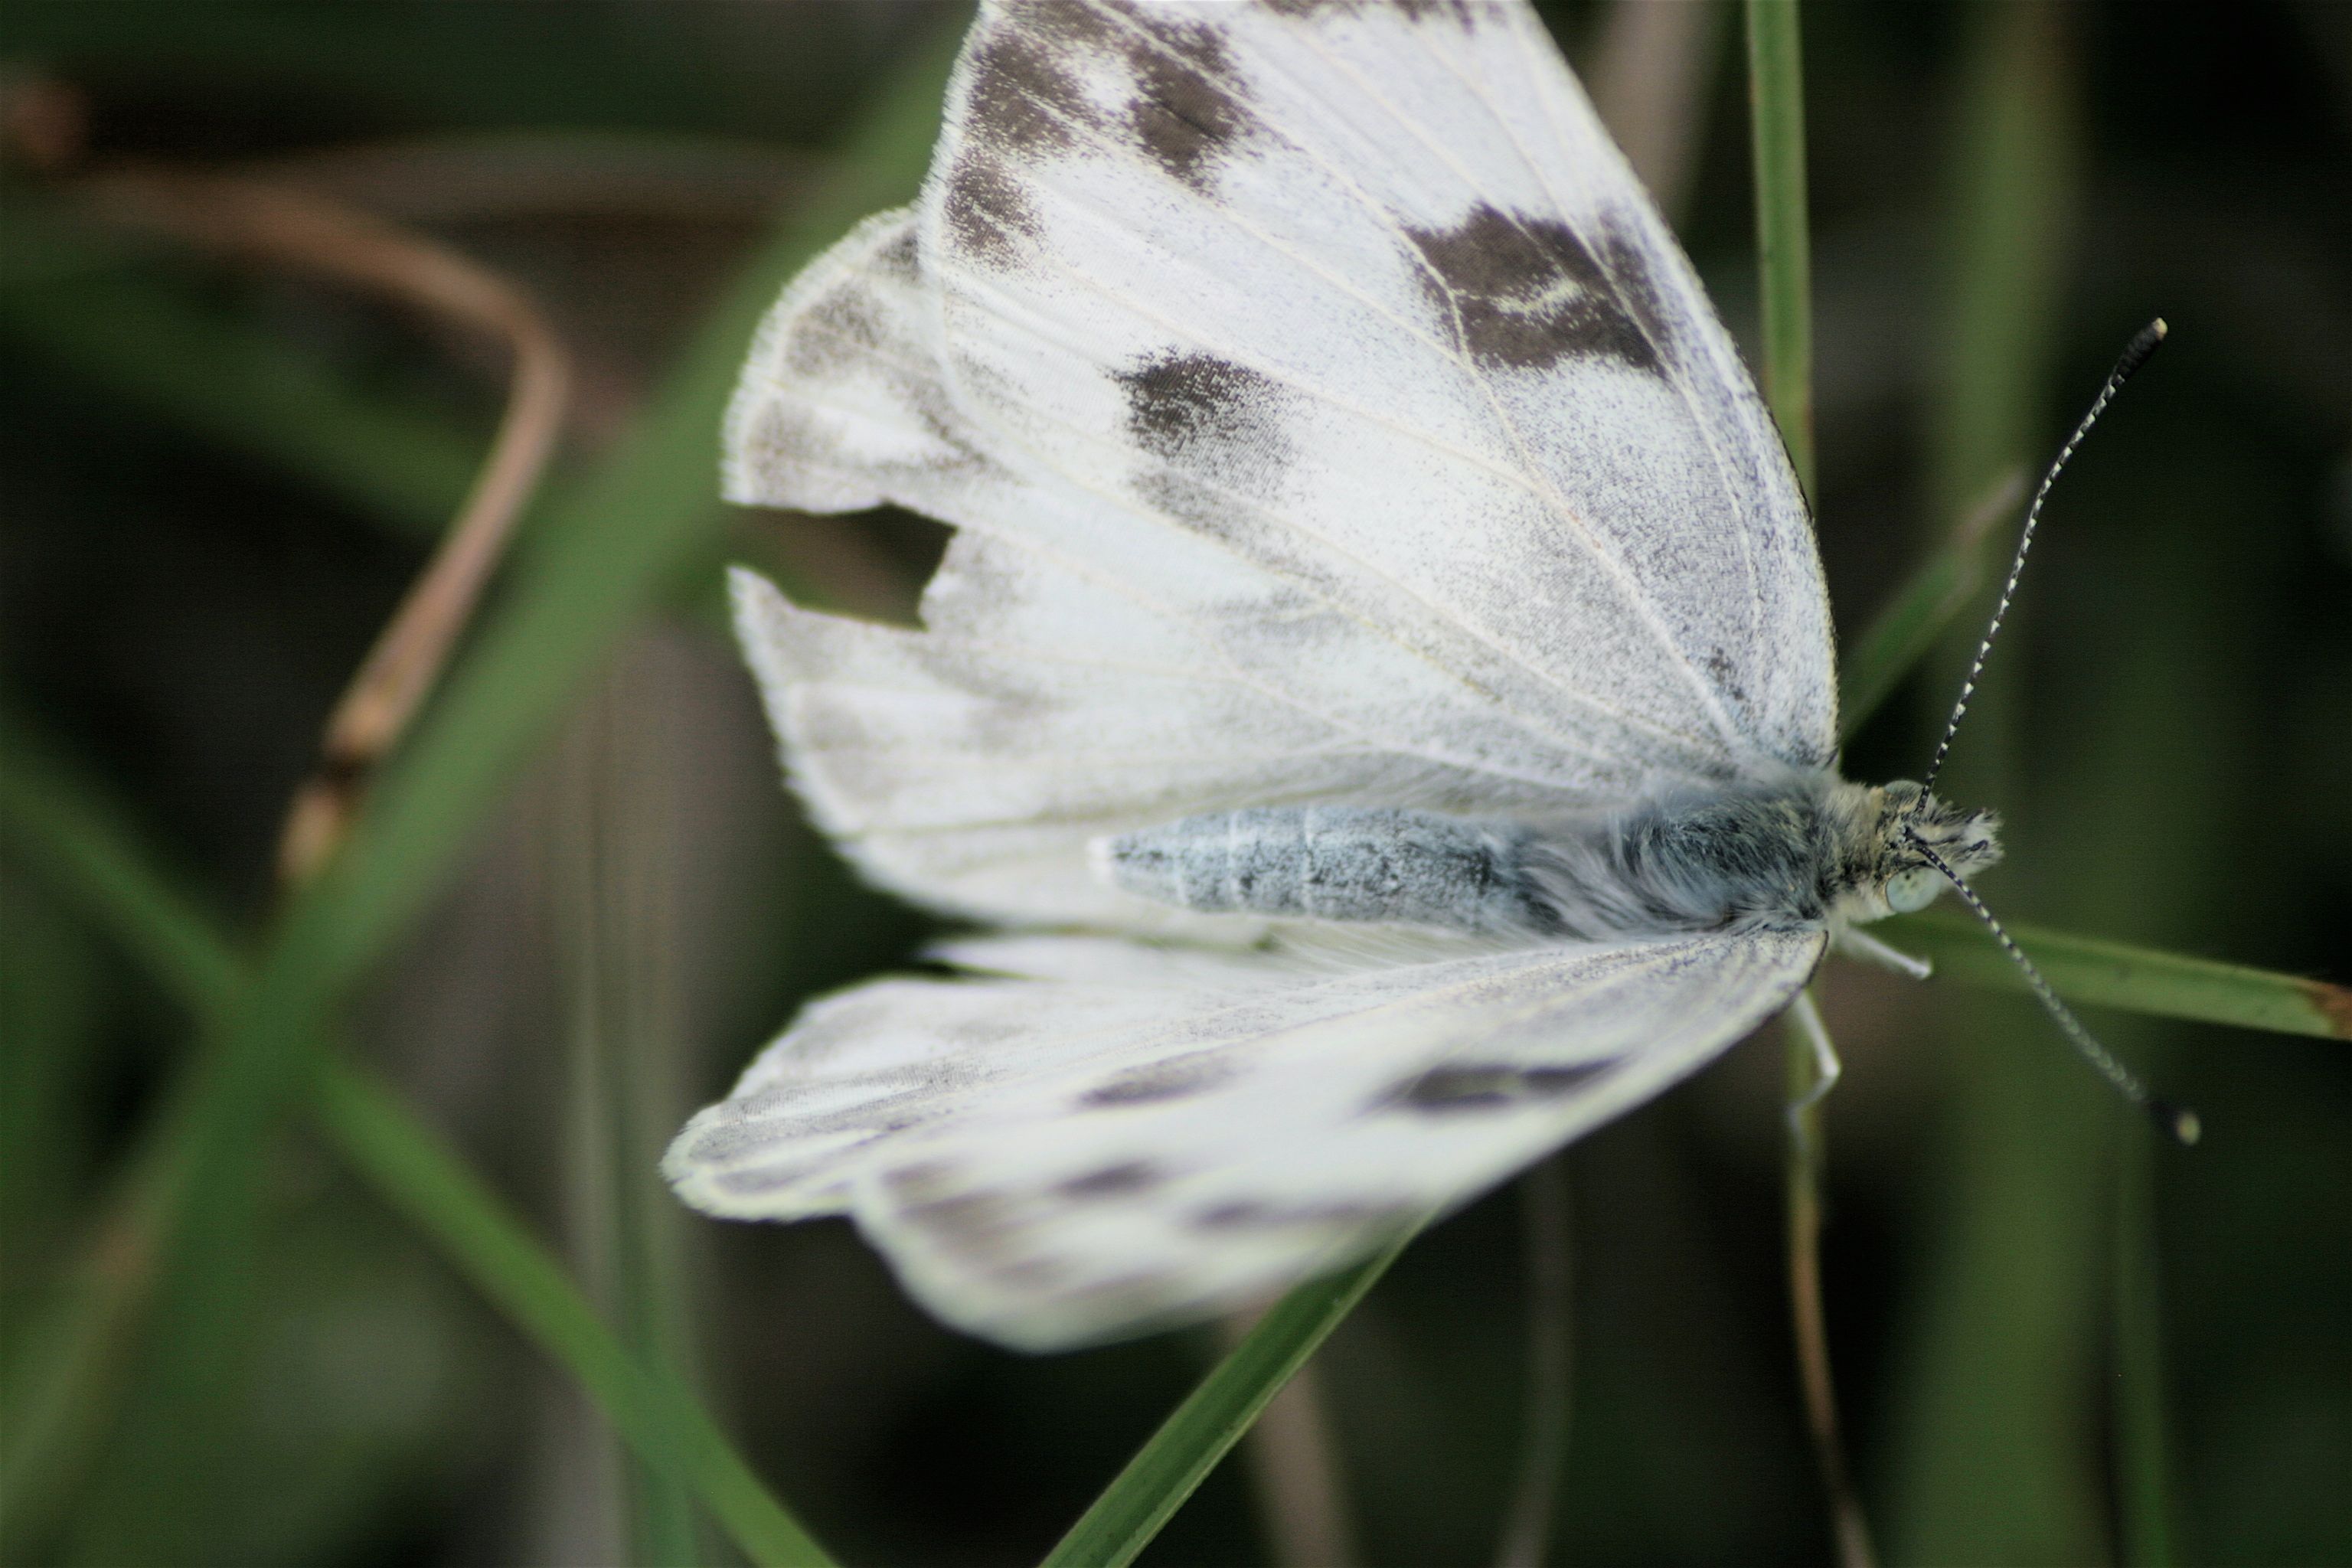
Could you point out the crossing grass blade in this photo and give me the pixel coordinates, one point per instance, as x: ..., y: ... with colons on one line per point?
x: 1784, y: 259
x: 126, y: 332
x: 2133, y: 979
x: 1784, y: 244
x: 1179, y: 1455
x: 654, y: 1414
x: 51, y: 821
x: 1906, y: 629
x: 1987, y: 1401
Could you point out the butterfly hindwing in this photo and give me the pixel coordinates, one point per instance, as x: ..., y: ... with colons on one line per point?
x: 1137, y: 1135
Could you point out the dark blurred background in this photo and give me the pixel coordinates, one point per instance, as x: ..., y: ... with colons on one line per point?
x: 220, y: 477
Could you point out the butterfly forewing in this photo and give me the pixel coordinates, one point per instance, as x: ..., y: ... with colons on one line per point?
x: 1364, y: 293
x: 1311, y: 375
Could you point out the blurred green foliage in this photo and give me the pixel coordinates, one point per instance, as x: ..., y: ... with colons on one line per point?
x: 217, y: 480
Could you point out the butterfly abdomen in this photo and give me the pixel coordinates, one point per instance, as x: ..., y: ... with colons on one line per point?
x: 1333, y: 863
x: 1779, y: 857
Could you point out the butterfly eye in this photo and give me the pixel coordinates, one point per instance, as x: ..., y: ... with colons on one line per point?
x: 1911, y: 890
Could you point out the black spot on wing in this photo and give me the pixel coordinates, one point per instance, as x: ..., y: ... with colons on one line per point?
x: 1159, y: 1082
x: 1183, y: 113
x: 1209, y: 415
x: 1029, y: 99
x: 761, y: 1179
x: 1024, y: 97
x: 1726, y: 674
x: 1492, y: 1086
x: 1025, y: 102
x: 987, y: 212
x: 1459, y: 11
x: 1528, y: 294
x: 902, y: 258
x: 844, y: 326
x: 1251, y: 1214
x: 1629, y: 272
x: 1112, y: 1181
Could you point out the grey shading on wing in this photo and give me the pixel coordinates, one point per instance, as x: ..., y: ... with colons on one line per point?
x: 1180, y: 1132
x: 1325, y: 415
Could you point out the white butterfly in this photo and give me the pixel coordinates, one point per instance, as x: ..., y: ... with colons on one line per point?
x: 1382, y: 664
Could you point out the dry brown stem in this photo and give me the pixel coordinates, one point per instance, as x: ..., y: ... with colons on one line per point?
x: 282, y: 226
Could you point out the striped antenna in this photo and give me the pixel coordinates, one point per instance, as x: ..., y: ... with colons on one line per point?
x: 2176, y: 1122
x: 2135, y: 356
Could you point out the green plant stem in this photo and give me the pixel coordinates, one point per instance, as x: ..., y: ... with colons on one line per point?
x: 1777, y: 100
x: 88, y: 855
x: 1145, y: 1495
x: 1784, y: 246
x: 67, y: 1360
x: 1548, y: 1382
x: 614, y: 909
x: 1809, y: 1044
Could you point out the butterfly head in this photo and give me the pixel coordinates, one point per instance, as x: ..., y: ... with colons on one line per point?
x: 1916, y: 831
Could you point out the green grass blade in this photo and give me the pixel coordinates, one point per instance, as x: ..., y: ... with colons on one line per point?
x: 1906, y: 629
x: 87, y: 853
x: 420, y: 1177
x: 1776, y: 86
x: 1179, y: 1457
x: 129, y: 334
x: 1776, y: 82
x: 66, y: 1355
x: 51, y: 818
x: 1989, y: 1410
x: 616, y: 884
x: 2133, y: 979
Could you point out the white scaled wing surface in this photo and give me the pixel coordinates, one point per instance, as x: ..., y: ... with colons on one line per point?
x: 1106, y: 1138
x: 1325, y: 417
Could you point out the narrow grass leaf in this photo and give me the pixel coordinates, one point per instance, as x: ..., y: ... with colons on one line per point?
x: 2144, y: 1493
x: 2133, y: 979
x: 1988, y: 1406
x: 1906, y: 629
x: 87, y: 853
x: 426, y: 1181
x: 125, y: 332
x: 1784, y: 245
x: 1776, y: 86
x: 52, y: 817
x: 1175, y: 1460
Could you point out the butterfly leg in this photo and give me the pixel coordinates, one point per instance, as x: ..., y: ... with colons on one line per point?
x: 1806, y: 1019
x: 1860, y: 944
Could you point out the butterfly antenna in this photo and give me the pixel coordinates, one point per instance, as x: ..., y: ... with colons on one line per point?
x: 2135, y: 356
x: 2176, y: 1122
